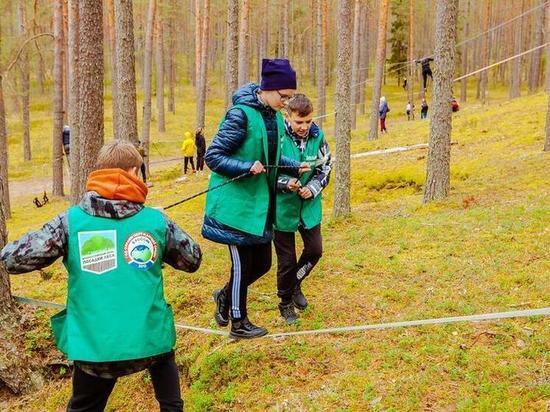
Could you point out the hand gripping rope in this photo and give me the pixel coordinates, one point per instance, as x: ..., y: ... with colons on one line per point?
x: 314, y: 164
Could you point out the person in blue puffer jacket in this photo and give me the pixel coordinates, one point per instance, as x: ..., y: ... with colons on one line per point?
x: 241, y: 214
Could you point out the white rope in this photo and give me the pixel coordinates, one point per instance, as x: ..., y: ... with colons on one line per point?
x: 343, y: 329
x: 398, y: 66
x: 500, y: 62
x: 466, y: 75
x: 436, y: 321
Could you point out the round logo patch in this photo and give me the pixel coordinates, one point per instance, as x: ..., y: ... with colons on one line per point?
x: 140, y: 250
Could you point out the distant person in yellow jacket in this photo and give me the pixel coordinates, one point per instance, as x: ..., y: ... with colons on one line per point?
x: 188, y: 148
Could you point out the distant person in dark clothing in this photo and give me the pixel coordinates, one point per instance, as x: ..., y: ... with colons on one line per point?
x: 67, y: 142
x: 200, y: 143
x: 141, y: 149
x: 424, y: 109
x: 426, y: 70
x: 405, y: 84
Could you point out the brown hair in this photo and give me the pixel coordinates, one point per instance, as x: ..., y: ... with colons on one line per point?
x: 300, y: 104
x: 118, y: 154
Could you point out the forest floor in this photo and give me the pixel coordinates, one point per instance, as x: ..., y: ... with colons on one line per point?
x: 483, y: 249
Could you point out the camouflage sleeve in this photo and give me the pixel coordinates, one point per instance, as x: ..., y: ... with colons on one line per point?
x: 36, y: 250
x: 181, y: 252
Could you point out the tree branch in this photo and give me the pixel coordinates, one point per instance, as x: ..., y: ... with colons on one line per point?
x: 12, y: 63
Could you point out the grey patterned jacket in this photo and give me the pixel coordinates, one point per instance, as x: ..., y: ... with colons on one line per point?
x: 38, y: 249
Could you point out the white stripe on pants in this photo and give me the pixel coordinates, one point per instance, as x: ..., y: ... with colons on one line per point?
x: 236, y: 288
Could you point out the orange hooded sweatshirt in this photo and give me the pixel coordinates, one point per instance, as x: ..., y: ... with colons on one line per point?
x: 117, y: 184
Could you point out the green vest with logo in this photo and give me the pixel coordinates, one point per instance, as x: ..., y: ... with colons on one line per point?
x: 244, y: 203
x: 291, y: 208
x: 115, y: 299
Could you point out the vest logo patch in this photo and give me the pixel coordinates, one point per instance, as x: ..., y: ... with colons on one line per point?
x: 97, y: 251
x: 140, y: 250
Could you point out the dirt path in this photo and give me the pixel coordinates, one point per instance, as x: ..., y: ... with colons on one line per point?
x: 35, y: 187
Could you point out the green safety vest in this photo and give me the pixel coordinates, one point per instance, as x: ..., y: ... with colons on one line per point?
x: 244, y: 204
x: 291, y: 208
x: 115, y: 300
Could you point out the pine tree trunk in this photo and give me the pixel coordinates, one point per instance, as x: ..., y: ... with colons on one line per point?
x: 57, y: 141
x: 114, y: 67
x: 74, y: 102
x: 262, y: 39
x: 25, y: 80
x: 439, y: 153
x: 202, y: 80
x: 91, y: 73
x: 378, y: 69
x: 355, y: 62
x: 126, y: 71
x: 363, y: 58
x: 536, y: 56
x: 515, y: 85
x: 485, y: 53
x: 547, y: 140
x: 285, y: 43
x: 65, y: 65
x: 244, y: 34
x: 160, y: 73
x: 16, y: 367
x: 465, y: 49
x: 412, y: 66
x: 198, y: 43
x: 41, y: 74
x: 321, y: 65
x: 4, y: 186
x: 171, y: 59
x: 147, y: 71
x: 547, y: 32
x: 343, y: 117
x: 232, y: 50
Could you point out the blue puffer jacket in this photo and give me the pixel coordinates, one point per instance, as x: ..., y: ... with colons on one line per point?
x: 229, y: 137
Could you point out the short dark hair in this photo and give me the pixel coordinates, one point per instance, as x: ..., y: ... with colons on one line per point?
x: 300, y: 104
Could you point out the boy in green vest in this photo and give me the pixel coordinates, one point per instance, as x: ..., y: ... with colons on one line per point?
x: 116, y: 320
x: 241, y: 214
x: 299, y: 205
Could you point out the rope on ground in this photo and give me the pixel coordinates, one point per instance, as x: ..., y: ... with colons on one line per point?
x: 360, y: 328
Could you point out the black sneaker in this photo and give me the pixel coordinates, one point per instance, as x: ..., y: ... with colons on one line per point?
x: 221, y: 314
x: 299, y: 299
x: 244, y: 329
x: 288, y: 313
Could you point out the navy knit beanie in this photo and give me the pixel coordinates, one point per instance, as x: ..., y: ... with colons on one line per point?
x: 277, y: 74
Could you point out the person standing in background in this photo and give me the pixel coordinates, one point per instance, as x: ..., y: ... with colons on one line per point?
x: 200, y: 143
x: 188, y: 149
